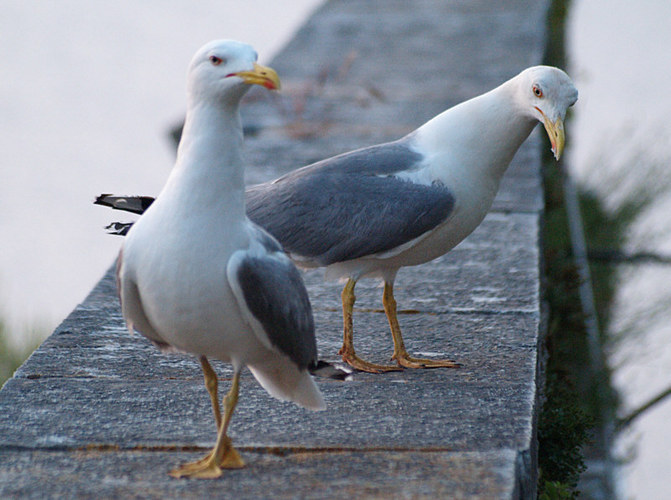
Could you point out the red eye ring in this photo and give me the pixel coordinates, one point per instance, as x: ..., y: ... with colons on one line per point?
x: 538, y: 92
x: 216, y: 61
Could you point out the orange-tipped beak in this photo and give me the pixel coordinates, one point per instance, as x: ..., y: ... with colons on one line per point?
x: 260, y: 75
x: 555, y: 131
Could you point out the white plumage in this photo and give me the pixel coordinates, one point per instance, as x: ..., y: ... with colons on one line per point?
x: 196, y: 275
x: 407, y: 202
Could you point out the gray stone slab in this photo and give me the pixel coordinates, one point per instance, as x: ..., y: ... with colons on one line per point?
x: 94, y: 343
x: 472, y: 42
x: 280, y: 475
x: 109, y: 387
x: 417, y: 412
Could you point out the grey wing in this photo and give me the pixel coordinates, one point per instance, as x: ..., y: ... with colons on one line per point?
x: 274, y: 292
x: 351, y: 205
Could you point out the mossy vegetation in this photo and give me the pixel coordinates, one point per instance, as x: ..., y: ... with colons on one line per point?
x: 577, y: 394
x: 571, y: 407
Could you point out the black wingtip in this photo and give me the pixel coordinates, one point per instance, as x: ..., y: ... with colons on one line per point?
x: 325, y: 369
x: 106, y: 200
x: 119, y: 228
x: 133, y: 204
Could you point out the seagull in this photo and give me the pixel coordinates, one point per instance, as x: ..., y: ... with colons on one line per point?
x: 195, y: 274
x: 369, y: 212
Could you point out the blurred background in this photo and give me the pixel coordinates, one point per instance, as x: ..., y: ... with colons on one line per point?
x: 89, y: 91
x: 619, y: 152
x: 88, y: 94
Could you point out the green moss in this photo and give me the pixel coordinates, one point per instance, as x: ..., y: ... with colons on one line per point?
x: 556, y: 491
x: 572, y: 405
x: 573, y: 399
x: 563, y: 430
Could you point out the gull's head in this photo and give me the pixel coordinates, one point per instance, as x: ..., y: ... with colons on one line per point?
x: 225, y: 69
x: 546, y: 93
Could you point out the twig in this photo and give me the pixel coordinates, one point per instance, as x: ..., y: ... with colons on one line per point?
x: 623, y: 423
x: 617, y: 256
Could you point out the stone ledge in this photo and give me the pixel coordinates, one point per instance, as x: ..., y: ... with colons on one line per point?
x: 309, y: 475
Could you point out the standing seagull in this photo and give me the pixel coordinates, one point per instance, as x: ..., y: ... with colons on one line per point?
x: 369, y: 212
x: 195, y: 275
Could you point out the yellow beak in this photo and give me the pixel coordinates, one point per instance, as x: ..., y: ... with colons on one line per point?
x: 555, y: 132
x: 260, y: 75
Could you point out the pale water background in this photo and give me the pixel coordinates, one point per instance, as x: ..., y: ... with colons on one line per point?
x: 619, y: 146
x: 89, y: 90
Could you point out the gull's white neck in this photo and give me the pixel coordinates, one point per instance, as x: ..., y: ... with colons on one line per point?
x: 480, y: 135
x: 209, y: 170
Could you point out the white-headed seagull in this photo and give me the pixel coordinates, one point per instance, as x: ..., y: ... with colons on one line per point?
x: 196, y: 275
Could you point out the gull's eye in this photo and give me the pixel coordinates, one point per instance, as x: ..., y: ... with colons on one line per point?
x: 537, y: 91
x: 216, y: 61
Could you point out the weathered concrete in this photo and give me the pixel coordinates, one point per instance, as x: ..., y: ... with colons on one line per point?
x: 96, y: 412
x: 278, y: 475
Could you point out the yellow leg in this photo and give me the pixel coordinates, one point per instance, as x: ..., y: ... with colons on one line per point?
x: 223, y: 456
x: 212, y: 386
x: 400, y: 354
x: 347, y: 349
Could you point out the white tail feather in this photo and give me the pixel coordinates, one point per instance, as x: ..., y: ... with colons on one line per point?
x: 283, y: 380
